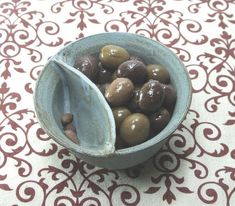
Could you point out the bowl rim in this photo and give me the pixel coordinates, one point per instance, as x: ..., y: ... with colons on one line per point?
x: 149, y: 143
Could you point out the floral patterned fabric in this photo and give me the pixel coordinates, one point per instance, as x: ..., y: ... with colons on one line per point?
x: 195, y: 166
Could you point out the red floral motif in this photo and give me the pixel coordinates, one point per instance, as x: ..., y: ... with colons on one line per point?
x: 21, y: 31
x: 179, y: 148
x: 219, y: 11
x: 88, y: 190
x: 82, y: 11
x: 218, y: 74
x: 213, y: 191
x: 167, y: 26
x: 12, y: 119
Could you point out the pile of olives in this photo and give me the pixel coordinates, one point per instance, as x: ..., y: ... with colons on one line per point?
x: 140, y: 95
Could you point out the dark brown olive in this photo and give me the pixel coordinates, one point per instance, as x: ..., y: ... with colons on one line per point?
x: 134, y: 105
x: 72, y: 136
x: 120, y: 144
x: 134, y: 70
x: 151, y: 96
x: 87, y: 65
x: 135, y: 129
x: 70, y: 126
x: 103, y: 87
x: 120, y: 113
x: 103, y: 75
x: 114, y: 76
x: 111, y: 56
x: 158, y: 72
x: 170, y: 96
x: 119, y: 91
x: 66, y: 118
x: 159, y: 120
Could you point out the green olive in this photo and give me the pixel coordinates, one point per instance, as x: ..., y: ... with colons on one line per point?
x: 119, y: 91
x: 135, y: 129
x: 158, y: 72
x: 111, y: 56
x: 120, y: 113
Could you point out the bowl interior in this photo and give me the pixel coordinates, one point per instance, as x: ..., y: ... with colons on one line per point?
x: 150, y: 51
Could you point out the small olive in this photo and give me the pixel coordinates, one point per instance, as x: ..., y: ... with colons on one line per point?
x: 120, y: 113
x: 134, y: 104
x: 170, y: 96
x: 70, y: 126
x: 158, y: 72
x: 103, y: 75
x: 111, y: 56
x: 134, y: 70
x: 72, y: 136
x: 159, y: 120
x: 151, y: 96
x: 66, y: 118
x: 87, y: 65
x: 119, y: 91
x: 135, y: 129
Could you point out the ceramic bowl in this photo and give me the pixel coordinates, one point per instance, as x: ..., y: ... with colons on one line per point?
x: 49, y: 102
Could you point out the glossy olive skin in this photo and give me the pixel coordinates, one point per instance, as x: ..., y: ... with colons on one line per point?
x: 66, y: 118
x: 158, y: 72
x: 136, y: 58
x: 159, y: 120
x: 134, y: 104
x: 170, y: 96
x: 103, y: 75
x: 134, y: 70
x: 151, y: 96
x: 120, y: 113
x: 88, y: 66
x: 119, y: 91
x: 135, y: 129
x: 111, y: 56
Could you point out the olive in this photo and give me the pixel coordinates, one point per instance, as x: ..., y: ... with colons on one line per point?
x: 66, y: 118
x: 103, y: 75
x: 159, y: 120
x: 170, y: 96
x: 151, y: 96
x: 70, y: 126
x: 103, y: 87
x: 120, y: 144
x: 134, y: 70
x: 135, y: 129
x: 158, y: 72
x: 134, y: 105
x: 111, y: 56
x: 87, y: 65
x: 119, y: 91
x: 120, y: 113
x: 114, y: 76
x: 71, y: 135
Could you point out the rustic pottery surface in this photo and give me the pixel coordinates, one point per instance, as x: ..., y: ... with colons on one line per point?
x: 196, y: 165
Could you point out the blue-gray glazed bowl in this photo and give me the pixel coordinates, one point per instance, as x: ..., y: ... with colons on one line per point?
x: 152, y: 52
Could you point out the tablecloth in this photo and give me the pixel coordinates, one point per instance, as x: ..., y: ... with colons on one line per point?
x: 197, y: 164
